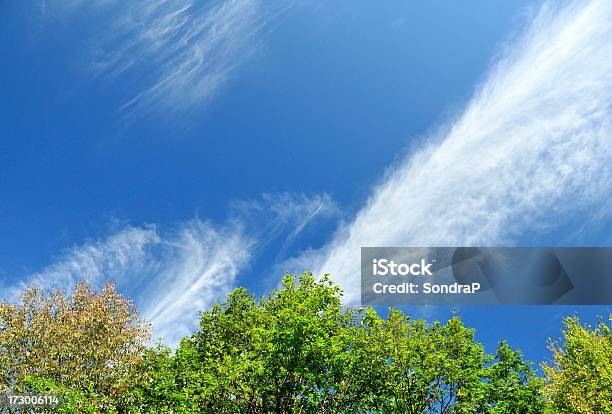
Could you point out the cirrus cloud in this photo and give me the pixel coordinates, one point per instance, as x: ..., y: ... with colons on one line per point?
x: 173, y: 275
x: 532, y: 151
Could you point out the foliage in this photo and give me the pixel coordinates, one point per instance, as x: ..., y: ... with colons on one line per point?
x: 283, y: 354
x: 406, y: 366
x: 295, y: 350
x: 510, y: 385
x: 154, y: 387
x: 580, y: 378
x: 298, y: 350
x: 73, y: 401
x: 84, y: 346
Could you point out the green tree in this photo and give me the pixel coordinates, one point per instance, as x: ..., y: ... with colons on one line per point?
x: 579, y: 380
x: 298, y: 350
x: 295, y: 350
x: 154, y: 388
x: 283, y: 354
x: 510, y: 385
x: 406, y: 366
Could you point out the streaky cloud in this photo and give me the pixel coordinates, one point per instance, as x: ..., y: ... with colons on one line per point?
x: 530, y: 154
x: 173, y: 55
x: 175, y: 274
x: 199, y: 266
x: 122, y: 254
x: 170, y: 276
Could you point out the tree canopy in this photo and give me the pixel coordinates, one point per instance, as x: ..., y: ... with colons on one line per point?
x: 298, y: 350
x: 579, y: 380
x: 85, y: 345
x: 295, y: 350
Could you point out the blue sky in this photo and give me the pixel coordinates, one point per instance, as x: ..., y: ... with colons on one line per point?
x: 185, y: 148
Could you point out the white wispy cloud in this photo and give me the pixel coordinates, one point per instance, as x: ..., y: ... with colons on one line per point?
x: 531, y: 152
x: 172, y: 54
x: 123, y: 254
x: 282, y: 211
x: 172, y: 275
x: 199, y: 265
